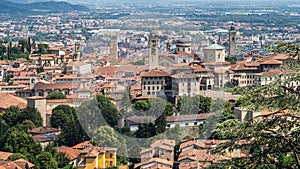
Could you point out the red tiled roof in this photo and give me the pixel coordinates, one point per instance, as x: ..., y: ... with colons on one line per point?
x: 276, y: 72
x: 7, y: 100
x: 5, y: 155
x: 43, y: 130
x: 82, y: 145
x: 69, y: 152
x: 155, y: 73
x: 155, y: 160
x: 182, y: 75
x: 53, y: 86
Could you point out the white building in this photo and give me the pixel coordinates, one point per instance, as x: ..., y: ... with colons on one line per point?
x: 265, y: 78
x: 186, y: 120
x: 184, y: 84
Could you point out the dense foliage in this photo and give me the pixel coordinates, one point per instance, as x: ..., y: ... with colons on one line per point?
x: 271, y: 138
x: 56, y: 95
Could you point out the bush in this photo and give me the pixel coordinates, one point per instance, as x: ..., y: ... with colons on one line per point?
x: 56, y: 95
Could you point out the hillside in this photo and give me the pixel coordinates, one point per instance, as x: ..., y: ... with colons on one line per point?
x: 12, y: 8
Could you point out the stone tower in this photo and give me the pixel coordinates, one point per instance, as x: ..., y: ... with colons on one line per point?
x: 76, y: 56
x: 153, y: 51
x: 232, y: 40
x: 113, y: 50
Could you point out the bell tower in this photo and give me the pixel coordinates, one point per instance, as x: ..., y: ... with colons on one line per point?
x: 113, y: 50
x: 153, y: 51
x: 76, y: 56
x: 232, y: 40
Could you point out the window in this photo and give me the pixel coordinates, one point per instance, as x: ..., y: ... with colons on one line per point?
x: 195, y: 123
x: 186, y: 124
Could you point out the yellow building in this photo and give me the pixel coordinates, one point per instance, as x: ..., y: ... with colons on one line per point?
x: 95, y: 157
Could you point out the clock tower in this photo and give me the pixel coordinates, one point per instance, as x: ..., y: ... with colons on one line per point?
x: 232, y: 40
x: 153, y: 51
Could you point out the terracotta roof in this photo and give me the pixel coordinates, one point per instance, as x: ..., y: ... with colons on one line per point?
x: 53, y: 86
x: 9, y: 165
x: 271, y: 62
x: 4, y: 155
x: 43, y: 130
x: 241, y: 66
x: 199, y: 68
x: 163, y: 142
x: 13, y: 86
x: 69, y: 152
x: 182, y: 75
x: 216, y: 63
x: 22, y: 161
x: 190, y: 117
x: 155, y: 160
x: 44, y: 138
x: 155, y: 73
x: 17, y: 164
x: 82, y: 145
x: 107, y: 71
x: 201, y: 156
x: 282, y: 56
x: 135, y: 87
x: 191, y: 143
x: 276, y: 72
x: 7, y: 100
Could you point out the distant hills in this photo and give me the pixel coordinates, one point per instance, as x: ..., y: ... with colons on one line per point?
x: 24, y: 8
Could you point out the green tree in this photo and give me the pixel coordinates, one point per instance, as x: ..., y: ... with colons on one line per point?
x: 26, y: 125
x: 161, y: 123
x: 3, y: 126
x: 56, y: 95
x: 146, y: 130
x: 32, y: 114
x: 141, y: 107
x: 272, y: 138
x: 169, y: 109
x: 59, y: 118
x: 194, y: 105
x: 126, y: 104
x: 11, y: 115
x: 108, y: 110
x: 157, y: 107
x: 42, y: 48
x: 61, y: 158
x: 72, y: 132
x: 231, y: 59
x: 16, y: 156
x: 46, y: 161
x: 18, y: 141
x: 106, y: 136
